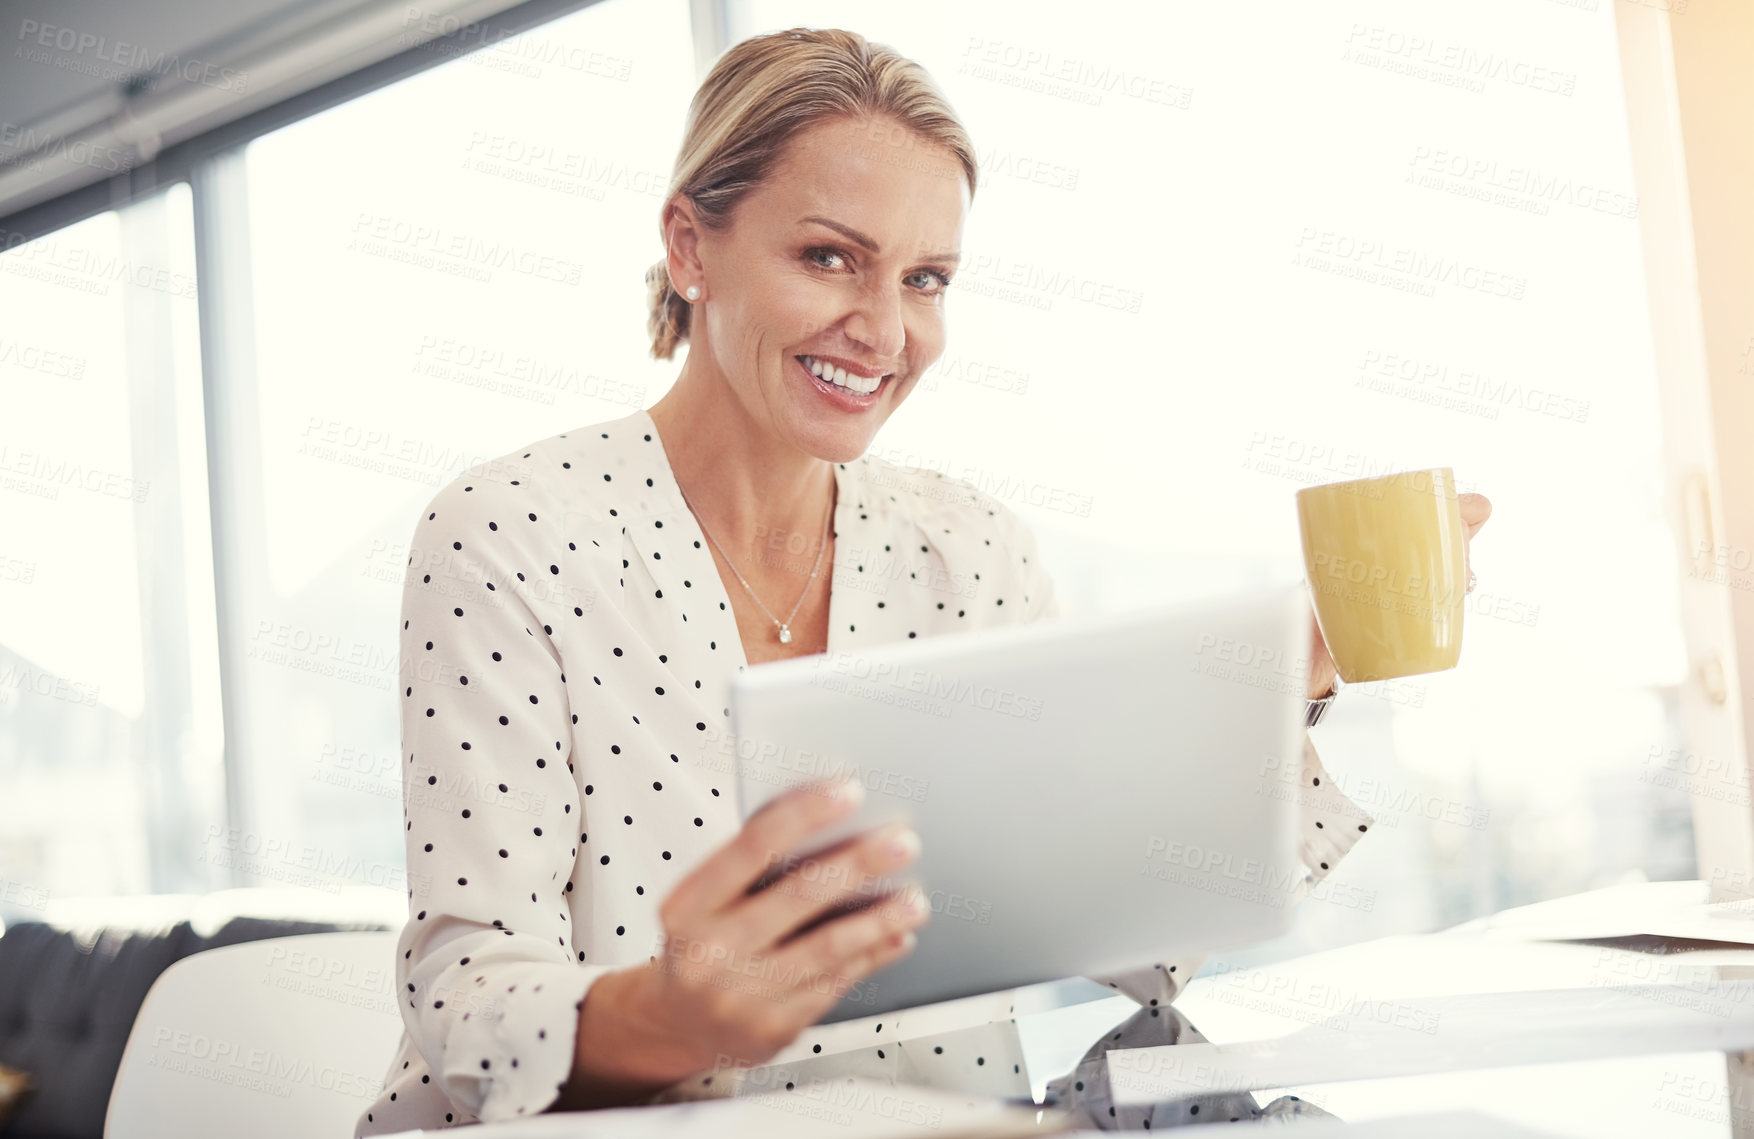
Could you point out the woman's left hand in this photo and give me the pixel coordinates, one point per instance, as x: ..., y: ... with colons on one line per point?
x: 1476, y: 509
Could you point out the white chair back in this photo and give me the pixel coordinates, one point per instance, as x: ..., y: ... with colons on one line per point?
x: 287, y: 1038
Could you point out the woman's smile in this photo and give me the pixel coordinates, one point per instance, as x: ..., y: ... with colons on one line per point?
x: 844, y: 384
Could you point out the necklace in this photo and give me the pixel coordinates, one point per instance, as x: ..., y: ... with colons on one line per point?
x: 785, y: 627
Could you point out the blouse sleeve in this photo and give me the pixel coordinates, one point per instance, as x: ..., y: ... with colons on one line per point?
x: 488, y: 970
x: 1040, y: 600
x: 1328, y: 826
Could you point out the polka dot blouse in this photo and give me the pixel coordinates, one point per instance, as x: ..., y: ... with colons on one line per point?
x: 566, y: 654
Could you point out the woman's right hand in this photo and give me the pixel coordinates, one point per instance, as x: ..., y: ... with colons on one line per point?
x: 731, y: 983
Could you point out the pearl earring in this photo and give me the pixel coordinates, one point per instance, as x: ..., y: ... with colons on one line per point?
x: 693, y: 293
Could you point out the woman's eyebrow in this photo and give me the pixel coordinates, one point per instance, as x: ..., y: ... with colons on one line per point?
x: 858, y: 238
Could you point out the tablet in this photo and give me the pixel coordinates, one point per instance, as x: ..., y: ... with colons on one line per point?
x: 1091, y: 796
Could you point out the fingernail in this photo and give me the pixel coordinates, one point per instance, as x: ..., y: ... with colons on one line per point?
x: 850, y: 791
x: 904, y: 845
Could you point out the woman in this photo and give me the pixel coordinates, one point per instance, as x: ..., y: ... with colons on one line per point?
x: 581, y: 927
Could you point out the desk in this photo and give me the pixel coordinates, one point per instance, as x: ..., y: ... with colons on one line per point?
x: 1693, y: 1092
x: 1063, y: 1029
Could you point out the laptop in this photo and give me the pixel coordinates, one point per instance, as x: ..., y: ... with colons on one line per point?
x: 1091, y: 796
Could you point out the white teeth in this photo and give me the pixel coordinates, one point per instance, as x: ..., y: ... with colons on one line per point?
x: 841, y: 378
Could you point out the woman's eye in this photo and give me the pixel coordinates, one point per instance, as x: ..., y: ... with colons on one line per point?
x: 929, y: 281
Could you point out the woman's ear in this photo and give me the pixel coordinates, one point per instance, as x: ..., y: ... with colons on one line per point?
x: 682, y: 245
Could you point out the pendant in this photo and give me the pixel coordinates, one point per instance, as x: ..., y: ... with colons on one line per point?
x: 785, y: 635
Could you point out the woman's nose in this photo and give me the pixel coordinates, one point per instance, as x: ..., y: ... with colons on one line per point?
x: 876, y: 323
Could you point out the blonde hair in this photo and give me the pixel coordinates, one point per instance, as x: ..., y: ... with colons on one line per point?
x: 761, y: 93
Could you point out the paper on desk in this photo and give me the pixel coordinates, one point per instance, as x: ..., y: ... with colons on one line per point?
x: 1673, y: 910
x: 847, y: 1108
x: 1429, y: 1125
x: 1444, y: 1034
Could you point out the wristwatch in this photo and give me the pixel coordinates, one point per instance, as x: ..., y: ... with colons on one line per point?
x: 1318, y: 708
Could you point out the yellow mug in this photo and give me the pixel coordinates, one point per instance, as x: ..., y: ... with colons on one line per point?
x: 1385, y: 559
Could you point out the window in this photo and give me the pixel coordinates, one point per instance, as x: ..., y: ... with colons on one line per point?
x: 109, y: 717
x: 440, y: 271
